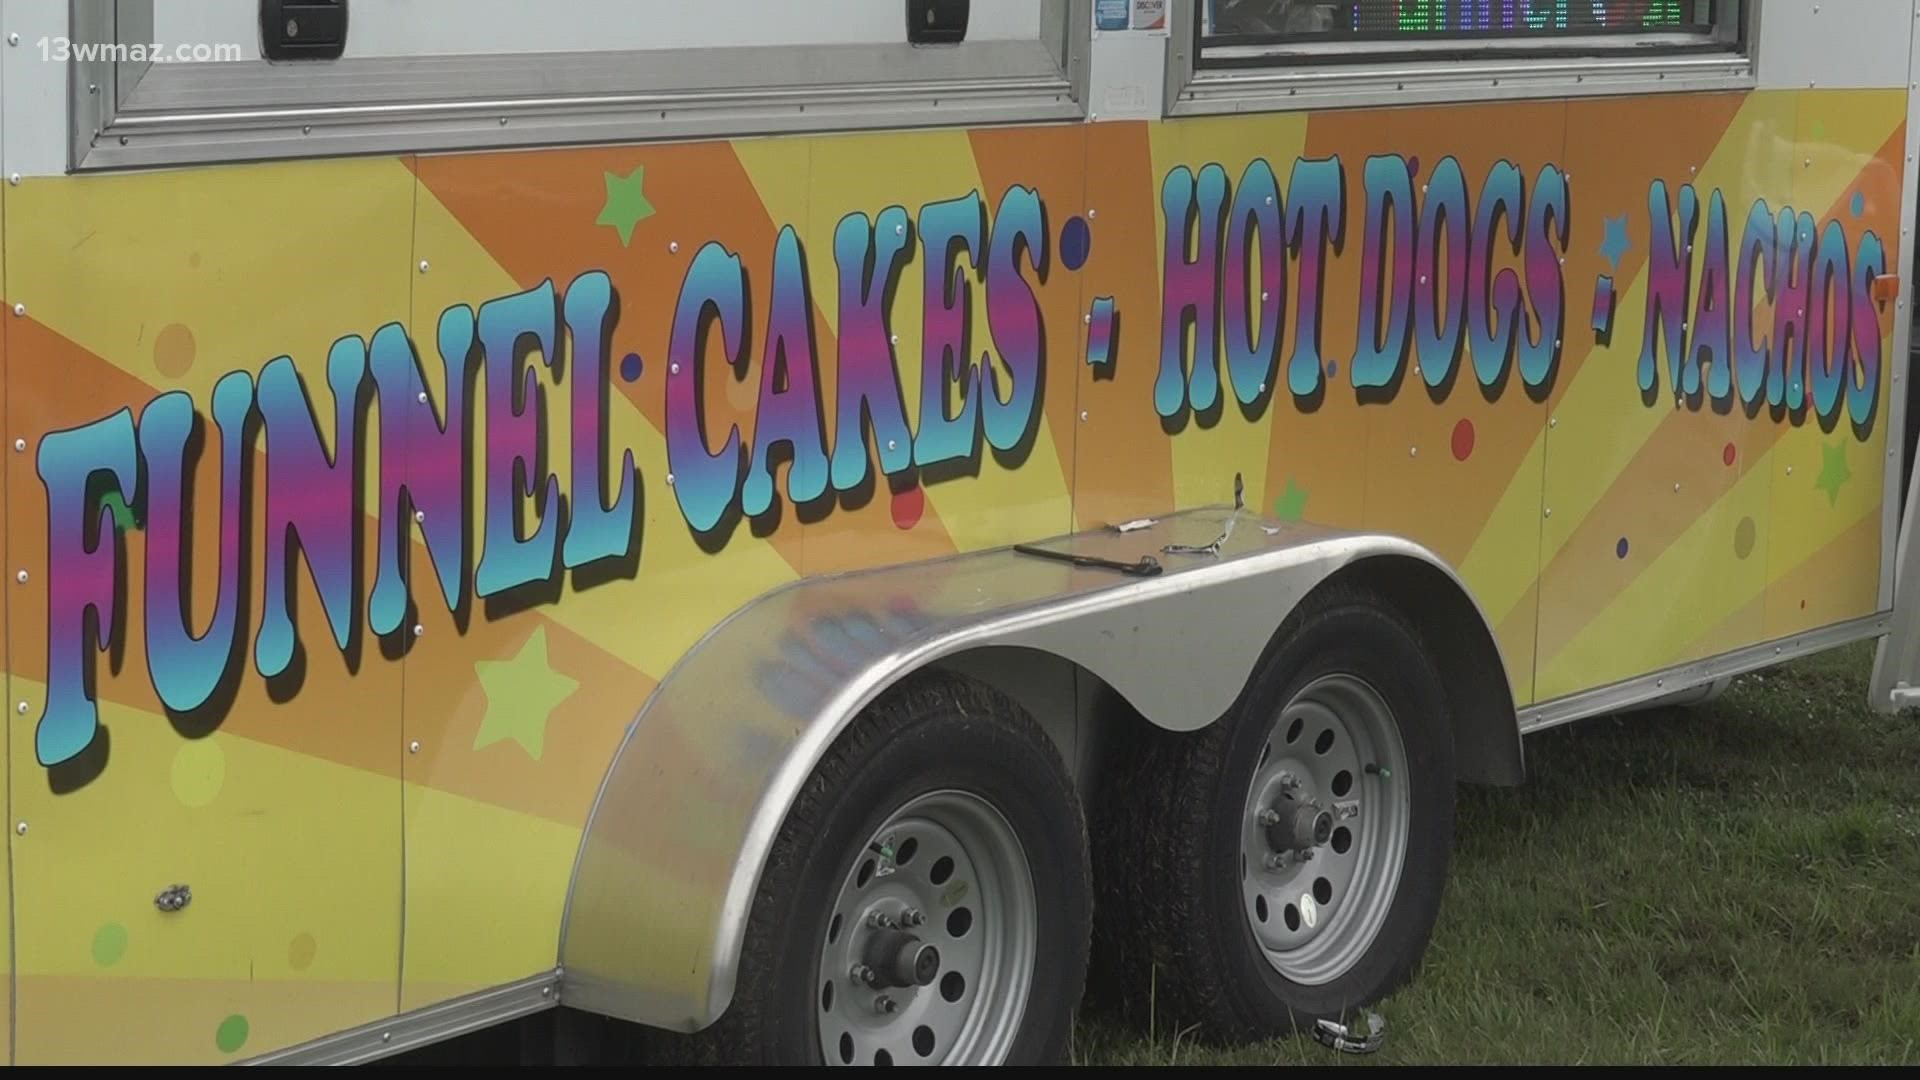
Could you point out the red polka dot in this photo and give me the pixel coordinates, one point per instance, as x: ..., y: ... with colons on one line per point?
x: 1728, y: 454
x: 908, y: 505
x: 1463, y: 440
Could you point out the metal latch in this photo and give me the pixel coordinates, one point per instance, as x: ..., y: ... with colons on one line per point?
x: 1365, y: 1035
x: 173, y: 898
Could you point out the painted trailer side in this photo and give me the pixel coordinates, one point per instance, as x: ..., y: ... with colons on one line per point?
x: 379, y: 469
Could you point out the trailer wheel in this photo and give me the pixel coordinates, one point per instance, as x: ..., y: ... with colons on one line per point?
x: 1286, y: 864
x: 928, y: 900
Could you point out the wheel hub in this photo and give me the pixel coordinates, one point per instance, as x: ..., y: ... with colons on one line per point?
x: 1299, y: 826
x: 899, y: 959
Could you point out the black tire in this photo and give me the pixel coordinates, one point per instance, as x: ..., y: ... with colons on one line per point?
x: 934, y: 732
x: 1173, y: 927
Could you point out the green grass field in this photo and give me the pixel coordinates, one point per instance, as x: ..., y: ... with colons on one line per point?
x: 1736, y: 883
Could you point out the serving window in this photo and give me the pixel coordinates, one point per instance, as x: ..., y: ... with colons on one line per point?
x: 1239, y: 54
x: 325, y: 77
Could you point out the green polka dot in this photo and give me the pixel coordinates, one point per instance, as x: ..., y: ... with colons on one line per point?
x: 109, y: 944
x: 232, y: 1034
x: 199, y: 768
x: 300, y: 952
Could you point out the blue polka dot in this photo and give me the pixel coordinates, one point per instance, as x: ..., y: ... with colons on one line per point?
x: 1333, y: 369
x: 1076, y: 243
x: 1620, y: 549
x: 1859, y: 204
x: 630, y: 367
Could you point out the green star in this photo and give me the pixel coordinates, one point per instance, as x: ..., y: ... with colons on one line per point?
x: 521, y: 694
x: 1833, y: 471
x: 626, y: 204
x: 1290, y: 506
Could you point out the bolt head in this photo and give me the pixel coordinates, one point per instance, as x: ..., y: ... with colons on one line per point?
x: 1269, y: 816
x: 885, y: 1005
x: 915, y: 917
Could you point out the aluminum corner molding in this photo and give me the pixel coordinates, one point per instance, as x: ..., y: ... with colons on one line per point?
x: 696, y: 794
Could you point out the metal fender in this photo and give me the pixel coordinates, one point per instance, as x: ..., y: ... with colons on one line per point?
x: 695, y: 796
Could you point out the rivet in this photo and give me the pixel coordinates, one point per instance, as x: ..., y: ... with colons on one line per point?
x: 503, y: 121
x: 673, y: 246
x: 14, y: 179
x: 669, y: 479
x: 306, y: 129
x: 386, y: 1036
x: 22, y: 707
x: 21, y: 828
x: 1693, y: 170
x: 123, y: 140
x: 1553, y: 421
x: 14, y: 39
x: 1413, y: 451
x: 1092, y: 213
x: 19, y: 445
x: 1789, y: 470
x: 1263, y: 388
x: 413, y: 747
x: 1808, y: 163
x: 892, y: 445
x: 1676, y: 489
x: 1423, y: 189
x: 19, y: 309
x: 1563, y: 260
x: 1083, y: 416
x: 21, y: 577
x: 1263, y: 296
x: 419, y: 515
x: 422, y: 397
x: 93, y: 88
x: 418, y: 630
x: 1549, y: 512
x: 673, y: 368
x: 1423, y: 279
x: 546, y: 991
x: 1088, y: 319
x: 1657, y: 683
x: 896, y: 339
x: 423, y: 266
x: 1269, y: 200
x: 899, y: 230
x: 1556, y: 343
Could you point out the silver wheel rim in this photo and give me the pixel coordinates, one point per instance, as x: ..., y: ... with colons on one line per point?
x: 1324, y: 833
x: 946, y: 872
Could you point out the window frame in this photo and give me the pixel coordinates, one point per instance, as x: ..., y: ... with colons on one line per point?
x: 131, y: 115
x: 1335, y: 73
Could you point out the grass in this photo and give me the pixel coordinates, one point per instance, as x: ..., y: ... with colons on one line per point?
x: 1733, y: 883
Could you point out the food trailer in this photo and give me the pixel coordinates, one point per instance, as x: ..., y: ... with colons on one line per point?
x: 812, y: 532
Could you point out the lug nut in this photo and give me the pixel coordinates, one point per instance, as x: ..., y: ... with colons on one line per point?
x: 862, y: 973
x: 1307, y: 855
x: 915, y: 917
x: 885, y: 1005
x: 1275, y: 860
x: 1269, y: 817
x: 879, y: 920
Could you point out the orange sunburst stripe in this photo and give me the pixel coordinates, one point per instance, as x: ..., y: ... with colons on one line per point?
x: 1118, y: 474
x: 66, y: 385
x: 1053, y: 164
x: 1676, y: 452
